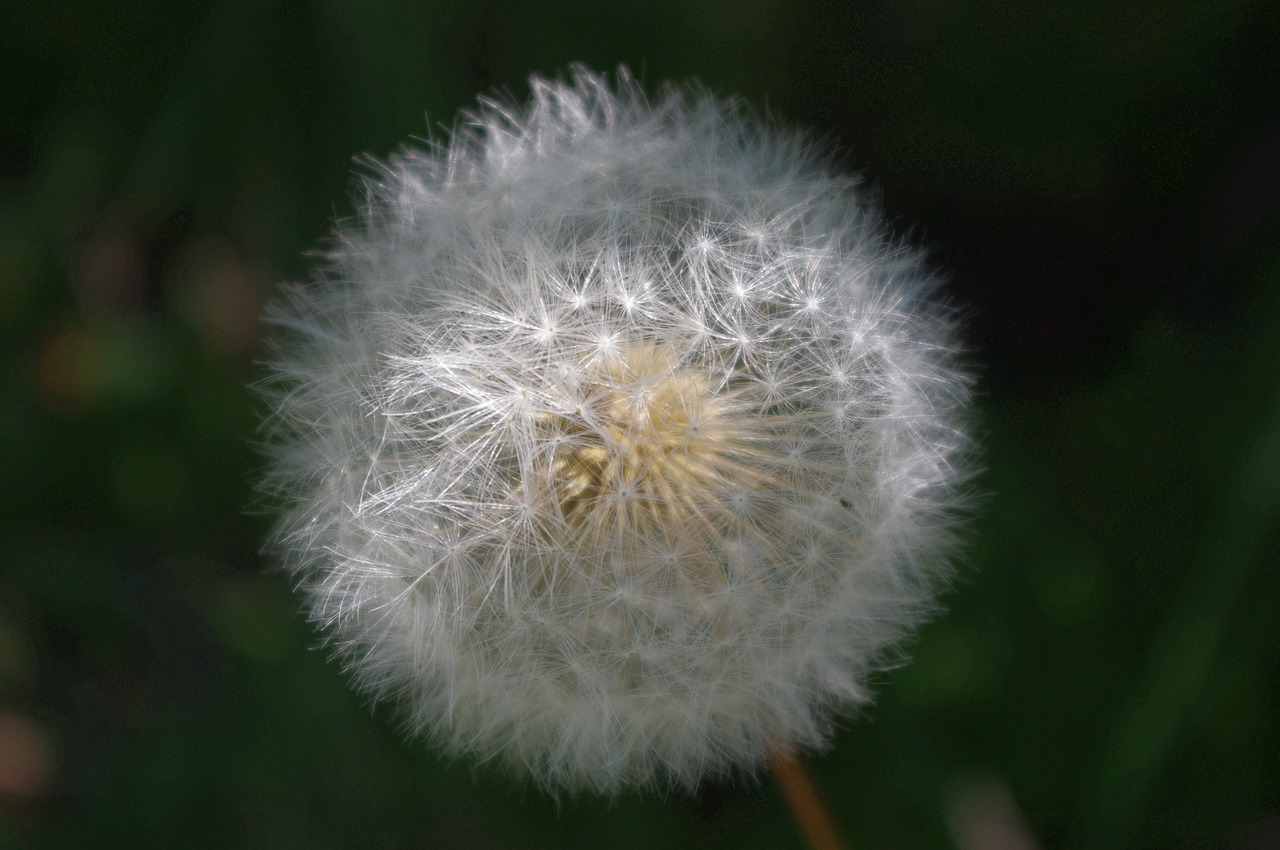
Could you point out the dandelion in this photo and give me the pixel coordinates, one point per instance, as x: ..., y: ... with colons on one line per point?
x: 618, y: 438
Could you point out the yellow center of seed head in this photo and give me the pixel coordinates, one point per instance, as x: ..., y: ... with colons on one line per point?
x: 649, y: 448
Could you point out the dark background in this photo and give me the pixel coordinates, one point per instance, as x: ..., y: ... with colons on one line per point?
x: 1102, y: 182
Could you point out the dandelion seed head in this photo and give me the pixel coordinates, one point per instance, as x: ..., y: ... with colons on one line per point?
x: 619, y: 442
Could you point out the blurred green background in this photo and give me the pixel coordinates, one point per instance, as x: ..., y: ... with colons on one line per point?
x: 1102, y: 182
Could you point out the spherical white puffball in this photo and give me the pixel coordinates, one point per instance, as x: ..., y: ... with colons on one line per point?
x: 618, y: 440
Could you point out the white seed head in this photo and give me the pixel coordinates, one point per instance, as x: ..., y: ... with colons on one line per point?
x: 618, y: 439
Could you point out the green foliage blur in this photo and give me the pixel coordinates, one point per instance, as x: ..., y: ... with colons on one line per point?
x: 1100, y: 180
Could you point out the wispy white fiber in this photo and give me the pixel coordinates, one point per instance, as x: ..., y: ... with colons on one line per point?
x: 619, y: 439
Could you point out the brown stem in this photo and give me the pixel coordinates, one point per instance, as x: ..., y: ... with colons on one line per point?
x: 807, y: 807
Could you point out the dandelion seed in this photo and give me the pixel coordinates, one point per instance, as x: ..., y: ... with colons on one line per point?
x: 618, y: 440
